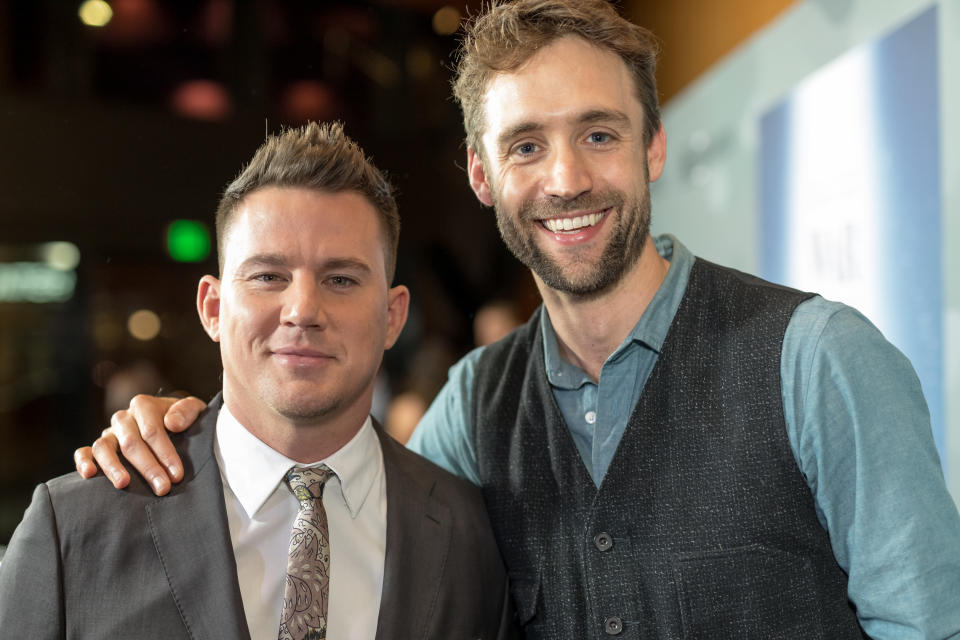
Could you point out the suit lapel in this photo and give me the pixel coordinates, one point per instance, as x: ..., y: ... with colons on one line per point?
x: 418, y: 540
x: 192, y: 538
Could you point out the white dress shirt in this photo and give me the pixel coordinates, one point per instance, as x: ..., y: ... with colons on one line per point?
x: 261, y: 511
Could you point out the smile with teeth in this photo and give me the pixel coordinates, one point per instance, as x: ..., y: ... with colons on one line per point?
x: 559, y: 225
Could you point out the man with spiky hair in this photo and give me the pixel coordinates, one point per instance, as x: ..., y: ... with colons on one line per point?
x: 297, y: 517
x: 668, y: 448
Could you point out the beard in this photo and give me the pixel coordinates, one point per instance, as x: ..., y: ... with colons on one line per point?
x: 581, y: 276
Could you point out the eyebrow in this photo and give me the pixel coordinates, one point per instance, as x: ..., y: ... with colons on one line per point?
x: 262, y: 259
x: 516, y: 131
x: 604, y: 115
x: 593, y: 116
x: 278, y: 260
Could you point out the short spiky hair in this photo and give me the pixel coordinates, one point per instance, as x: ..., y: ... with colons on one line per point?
x: 320, y: 157
x: 507, y: 34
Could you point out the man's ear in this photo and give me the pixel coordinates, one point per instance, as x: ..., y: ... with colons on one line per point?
x: 657, y: 154
x: 398, y: 303
x: 208, y: 306
x: 478, y: 177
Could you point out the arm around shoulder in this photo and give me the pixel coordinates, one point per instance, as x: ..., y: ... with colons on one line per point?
x: 31, y: 581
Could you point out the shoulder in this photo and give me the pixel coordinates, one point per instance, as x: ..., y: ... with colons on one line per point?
x: 71, y: 491
x: 441, y: 485
x: 97, y: 504
x: 709, y: 278
x: 833, y: 358
x: 833, y: 332
x: 86, y: 510
x: 71, y: 520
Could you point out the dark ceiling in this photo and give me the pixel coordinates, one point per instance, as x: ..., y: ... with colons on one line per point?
x: 109, y: 133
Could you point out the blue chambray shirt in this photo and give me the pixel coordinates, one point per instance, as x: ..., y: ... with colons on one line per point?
x: 597, y: 414
x: 857, y: 423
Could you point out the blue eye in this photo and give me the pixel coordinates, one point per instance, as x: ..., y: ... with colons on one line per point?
x: 599, y: 137
x: 526, y: 148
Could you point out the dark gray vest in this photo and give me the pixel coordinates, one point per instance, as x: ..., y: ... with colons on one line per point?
x: 703, y: 526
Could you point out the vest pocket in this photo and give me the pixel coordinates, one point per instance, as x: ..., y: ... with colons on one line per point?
x: 747, y: 592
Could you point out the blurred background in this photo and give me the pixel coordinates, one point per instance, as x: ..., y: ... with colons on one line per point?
x: 808, y: 141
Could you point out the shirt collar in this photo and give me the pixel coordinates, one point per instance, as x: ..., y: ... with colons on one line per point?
x: 252, y: 469
x: 650, y: 330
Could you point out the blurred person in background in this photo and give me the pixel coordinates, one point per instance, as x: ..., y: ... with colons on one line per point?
x: 493, y: 321
x: 668, y: 448
x: 426, y: 373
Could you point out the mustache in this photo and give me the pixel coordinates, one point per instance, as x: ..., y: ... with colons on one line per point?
x: 542, y: 208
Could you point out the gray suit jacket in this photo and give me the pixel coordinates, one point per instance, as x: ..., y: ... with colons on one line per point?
x: 89, y: 561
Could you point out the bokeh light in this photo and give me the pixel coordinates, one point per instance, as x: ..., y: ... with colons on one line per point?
x: 446, y: 21
x: 420, y: 63
x: 95, y: 13
x: 202, y: 100
x: 62, y: 256
x: 144, y: 324
x: 188, y: 241
x: 309, y: 100
x: 107, y: 331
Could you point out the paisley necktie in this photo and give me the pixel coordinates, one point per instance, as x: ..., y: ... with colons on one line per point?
x: 307, y: 584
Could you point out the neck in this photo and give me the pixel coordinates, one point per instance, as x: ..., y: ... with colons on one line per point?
x: 306, y: 441
x: 590, y: 328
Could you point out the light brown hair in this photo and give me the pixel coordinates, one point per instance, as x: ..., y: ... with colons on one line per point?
x: 508, y: 34
x: 315, y: 156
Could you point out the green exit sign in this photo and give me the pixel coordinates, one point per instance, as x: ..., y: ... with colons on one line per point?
x: 188, y: 241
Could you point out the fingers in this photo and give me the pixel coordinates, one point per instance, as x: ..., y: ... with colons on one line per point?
x: 148, y: 414
x: 105, y: 451
x: 183, y: 413
x: 83, y: 460
x: 141, y: 434
x: 125, y: 431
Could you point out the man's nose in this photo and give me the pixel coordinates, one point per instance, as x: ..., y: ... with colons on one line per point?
x: 303, y: 305
x: 568, y: 175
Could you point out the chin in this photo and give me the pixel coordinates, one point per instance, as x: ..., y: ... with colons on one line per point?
x: 307, y: 412
x: 304, y: 404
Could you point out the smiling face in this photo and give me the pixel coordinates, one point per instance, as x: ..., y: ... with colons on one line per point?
x: 303, y: 312
x: 565, y: 165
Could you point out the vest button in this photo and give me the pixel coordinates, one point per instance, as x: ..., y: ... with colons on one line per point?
x: 613, y: 626
x: 603, y: 541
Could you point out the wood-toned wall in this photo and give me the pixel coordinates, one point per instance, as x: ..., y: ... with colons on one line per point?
x: 696, y: 33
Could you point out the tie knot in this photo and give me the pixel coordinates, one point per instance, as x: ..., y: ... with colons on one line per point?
x: 306, y: 483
